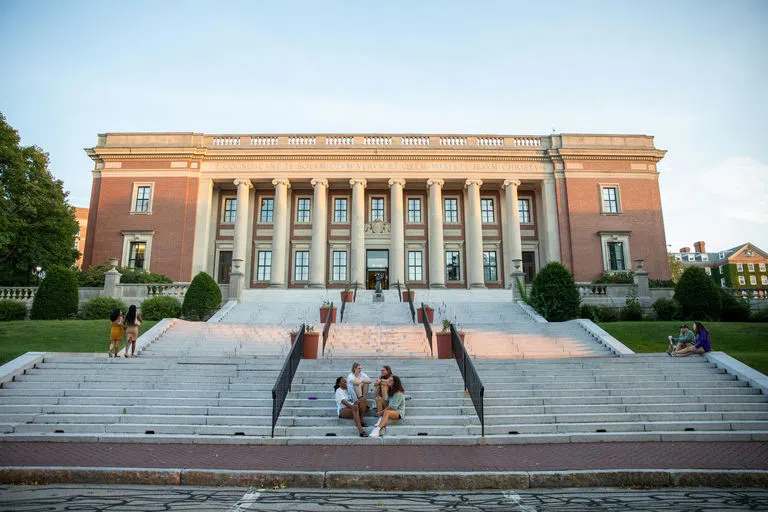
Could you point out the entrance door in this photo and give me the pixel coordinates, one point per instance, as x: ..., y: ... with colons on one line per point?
x: 377, y: 262
x: 225, y: 266
x: 529, y: 265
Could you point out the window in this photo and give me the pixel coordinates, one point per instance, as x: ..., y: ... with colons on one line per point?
x: 452, y: 267
x: 616, y: 256
x: 225, y: 267
x: 739, y: 267
x: 489, y: 266
x: 267, y: 207
x: 762, y: 267
x: 742, y: 281
x: 708, y: 271
x: 415, y: 266
x: 142, y: 203
x: 751, y: 267
x: 414, y: 210
x: 722, y: 282
x: 691, y: 257
x: 486, y: 211
x: 610, y: 200
x: 524, y: 207
x: 339, y: 272
x: 678, y: 257
x: 377, y: 208
x: 302, y: 211
x: 721, y: 255
x: 764, y: 280
x: 340, y: 209
x: 753, y: 280
x: 264, y: 266
x: 230, y: 210
x: 136, y: 255
x: 301, y: 266
x: 704, y: 256
x: 722, y: 269
x: 451, y: 210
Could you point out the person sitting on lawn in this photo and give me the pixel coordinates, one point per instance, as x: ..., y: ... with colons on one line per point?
x: 685, y: 339
x: 349, y: 406
x: 702, y: 342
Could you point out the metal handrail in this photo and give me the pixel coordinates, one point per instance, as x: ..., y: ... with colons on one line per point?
x: 472, y: 383
x: 284, y: 379
x: 427, y: 327
x: 327, y: 326
x: 354, y: 295
x: 410, y: 304
x: 341, y: 313
x: 399, y: 293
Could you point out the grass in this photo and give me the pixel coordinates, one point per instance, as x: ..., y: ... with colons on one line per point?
x: 747, y: 342
x: 22, y: 336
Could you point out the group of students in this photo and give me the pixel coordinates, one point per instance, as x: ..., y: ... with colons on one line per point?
x: 351, y: 402
x: 689, y: 343
x: 130, y: 325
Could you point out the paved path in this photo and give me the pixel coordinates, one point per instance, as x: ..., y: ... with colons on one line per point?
x: 132, y: 498
x: 536, y: 457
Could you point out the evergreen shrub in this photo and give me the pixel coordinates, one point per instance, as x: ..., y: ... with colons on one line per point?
x: 733, y: 309
x: 589, y: 312
x: 632, y: 310
x: 203, y: 298
x: 99, y: 308
x: 160, y: 307
x: 554, y: 294
x: 57, y: 297
x: 697, y: 295
x: 608, y: 314
x: 760, y: 315
x: 12, y: 310
x: 94, y: 276
x: 667, y: 309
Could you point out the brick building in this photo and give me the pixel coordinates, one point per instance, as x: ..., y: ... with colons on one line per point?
x: 744, y: 266
x: 425, y: 210
x: 81, y: 214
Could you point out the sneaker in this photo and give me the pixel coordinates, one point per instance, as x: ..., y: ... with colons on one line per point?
x: 363, y: 424
x: 375, y: 432
x: 363, y: 434
x: 669, y: 352
x: 378, y: 422
x: 408, y: 397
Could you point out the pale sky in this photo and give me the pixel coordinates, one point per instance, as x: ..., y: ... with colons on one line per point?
x: 694, y: 74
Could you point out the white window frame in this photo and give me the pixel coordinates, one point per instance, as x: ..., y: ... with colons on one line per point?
x: 408, y: 200
x: 691, y: 257
x: 762, y: 267
x: 222, y: 216
x: 753, y: 280
x: 258, y: 205
x: 458, y: 216
x: 742, y: 281
x: 296, y: 206
x: 493, y: 210
x: 764, y: 280
x: 530, y: 213
x: 739, y: 267
x: 496, y: 264
x: 722, y: 282
x: 708, y: 271
x: 751, y: 267
x: 346, y: 212
x: 295, y: 266
x: 340, y: 279
x: 267, y: 267
x: 418, y: 266
x: 603, y: 186
x: 678, y: 257
x: 137, y: 236
x: 704, y: 256
x: 623, y: 237
x: 721, y: 255
x: 383, y: 197
x: 134, y: 196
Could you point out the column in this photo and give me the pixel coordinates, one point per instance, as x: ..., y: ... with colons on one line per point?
x: 357, y: 258
x: 237, y: 276
x: 474, y: 266
x: 279, y: 233
x: 511, y: 231
x: 202, y: 227
x: 549, y: 197
x: 397, y: 238
x: 317, y: 256
x: 435, y: 226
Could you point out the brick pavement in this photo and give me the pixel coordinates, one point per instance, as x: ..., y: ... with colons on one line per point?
x: 535, y: 457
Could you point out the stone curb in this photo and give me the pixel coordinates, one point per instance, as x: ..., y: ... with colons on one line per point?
x: 532, y: 314
x: 151, y: 335
x: 223, y: 312
x: 603, y: 337
x: 397, y: 480
x: 735, y: 367
x: 17, y: 366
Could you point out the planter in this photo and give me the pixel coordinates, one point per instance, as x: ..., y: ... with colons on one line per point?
x: 324, y: 315
x: 346, y: 296
x: 311, y: 343
x: 443, y: 345
x: 430, y: 315
x: 405, y: 295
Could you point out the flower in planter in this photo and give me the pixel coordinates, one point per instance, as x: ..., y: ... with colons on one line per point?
x: 326, y: 305
x: 446, y: 325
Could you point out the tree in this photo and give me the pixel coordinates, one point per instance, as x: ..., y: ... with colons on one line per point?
x: 57, y: 297
x: 202, y: 299
x: 697, y: 295
x: 554, y: 294
x: 37, y: 225
x: 676, y: 268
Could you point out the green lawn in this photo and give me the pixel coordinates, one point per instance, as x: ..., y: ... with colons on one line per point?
x: 23, y: 336
x: 747, y: 342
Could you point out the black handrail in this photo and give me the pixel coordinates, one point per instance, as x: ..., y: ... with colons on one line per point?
x: 354, y: 295
x: 427, y: 327
x: 472, y: 383
x: 283, y: 385
x: 341, y: 313
x: 410, y: 304
x: 399, y: 293
x: 327, y: 326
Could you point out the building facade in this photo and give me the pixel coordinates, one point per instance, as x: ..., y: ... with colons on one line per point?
x: 81, y: 214
x: 744, y: 266
x: 330, y: 210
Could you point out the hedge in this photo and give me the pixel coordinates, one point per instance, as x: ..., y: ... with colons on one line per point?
x: 98, y: 308
x: 57, y: 296
x: 667, y: 309
x: 554, y: 294
x: 160, y: 307
x: 202, y: 299
x: 12, y: 310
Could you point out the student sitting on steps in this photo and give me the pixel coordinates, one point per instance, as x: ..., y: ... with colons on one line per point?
x: 394, y: 410
x: 349, y: 406
x: 359, y: 380
x: 381, y: 387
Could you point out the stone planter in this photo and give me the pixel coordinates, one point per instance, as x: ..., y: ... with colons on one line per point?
x: 346, y: 296
x: 324, y: 315
x: 311, y: 344
x: 443, y: 345
x: 430, y: 315
x: 405, y: 295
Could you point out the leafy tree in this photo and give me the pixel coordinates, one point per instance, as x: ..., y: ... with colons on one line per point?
x: 37, y: 225
x: 57, y: 297
x: 554, y: 294
x: 202, y: 299
x: 676, y: 269
x: 697, y: 295
x: 94, y: 276
x: 733, y: 309
x: 632, y: 309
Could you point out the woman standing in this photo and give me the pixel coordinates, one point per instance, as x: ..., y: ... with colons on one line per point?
x: 115, y: 333
x: 395, y: 410
x: 132, y: 323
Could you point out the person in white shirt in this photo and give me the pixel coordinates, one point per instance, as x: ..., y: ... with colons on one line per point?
x: 359, y: 380
x: 349, y: 406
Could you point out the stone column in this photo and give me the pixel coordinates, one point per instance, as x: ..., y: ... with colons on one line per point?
x: 237, y: 276
x: 549, y: 197
x: 474, y: 266
x: 397, y: 239
x: 435, y: 226
x: 317, y: 256
x: 202, y: 226
x: 512, y: 228
x: 357, y: 258
x: 279, y: 233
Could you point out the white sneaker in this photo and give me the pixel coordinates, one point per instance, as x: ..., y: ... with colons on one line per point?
x: 378, y: 422
x: 375, y: 432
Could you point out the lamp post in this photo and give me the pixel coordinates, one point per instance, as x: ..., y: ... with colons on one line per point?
x: 38, y: 269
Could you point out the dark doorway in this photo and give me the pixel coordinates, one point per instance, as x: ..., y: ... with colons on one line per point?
x: 529, y: 266
x: 225, y: 266
x: 377, y: 262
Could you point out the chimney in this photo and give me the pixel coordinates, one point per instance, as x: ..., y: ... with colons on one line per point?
x: 685, y: 249
x: 699, y: 246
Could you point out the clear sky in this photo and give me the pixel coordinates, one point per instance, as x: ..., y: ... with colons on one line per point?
x: 692, y: 73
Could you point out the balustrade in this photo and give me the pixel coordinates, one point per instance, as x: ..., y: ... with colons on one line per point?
x: 24, y: 294
x: 264, y: 141
x: 302, y: 141
x: 490, y: 141
x: 227, y: 140
x: 453, y: 141
x: 339, y: 141
x: 749, y: 293
x: 377, y: 141
x: 527, y: 141
x: 415, y: 141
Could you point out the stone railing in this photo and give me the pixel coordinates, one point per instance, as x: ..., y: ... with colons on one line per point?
x: 25, y: 294
x: 603, y: 290
x: 749, y: 293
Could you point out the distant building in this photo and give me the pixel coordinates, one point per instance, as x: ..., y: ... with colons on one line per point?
x: 82, y: 220
x: 743, y: 266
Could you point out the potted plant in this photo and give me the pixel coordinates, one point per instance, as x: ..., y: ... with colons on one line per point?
x: 407, y: 292
x: 346, y: 294
x: 444, y: 341
x: 311, y: 341
x: 325, y: 310
x: 430, y: 314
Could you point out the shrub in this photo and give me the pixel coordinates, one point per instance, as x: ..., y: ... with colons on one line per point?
x: 667, y: 309
x: 554, y: 294
x: 697, y: 295
x: 161, y: 307
x: 202, y: 299
x: 733, y: 309
x: 12, y: 310
x: 98, y: 308
x: 760, y: 315
x: 616, y: 278
x: 94, y: 276
x: 632, y: 310
x: 608, y: 314
x: 589, y: 312
x: 661, y: 283
x: 57, y: 297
